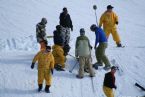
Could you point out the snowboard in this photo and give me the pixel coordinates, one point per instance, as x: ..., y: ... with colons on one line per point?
x: 120, y: 70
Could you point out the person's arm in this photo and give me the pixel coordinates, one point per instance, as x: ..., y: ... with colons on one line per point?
x: 34, y: 60
x: 76, y: 46
x: 116, y: 19
x: 101, y: 20
x: 97, y: 38
x: 71, y: 25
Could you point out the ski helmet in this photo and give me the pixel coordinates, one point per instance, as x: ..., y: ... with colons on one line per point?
x: 110, y: 7
x: 44, y: 20
x: 93, y: 27
x: 82, y: 31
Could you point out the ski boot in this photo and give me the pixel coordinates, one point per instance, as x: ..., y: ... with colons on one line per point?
x: 47, y: 88
x: 40, y: 88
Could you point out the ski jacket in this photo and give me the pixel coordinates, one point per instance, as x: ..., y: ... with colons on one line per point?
x: 58, y: 54
x: 58, y: 38
x: 100, y: 36
x: 45, y: 60
x: 40, y: 32
x: 65, y: 20
x: 83, y: 47
x: 109, y: 80
x: 109, y: 20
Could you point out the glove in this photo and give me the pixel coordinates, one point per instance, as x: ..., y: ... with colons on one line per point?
x: 91, y: 47
x: 115, y: 87
x: 32, y: 65
x: 71, y: 28
x: 117, y: 23
x: 52, y: 71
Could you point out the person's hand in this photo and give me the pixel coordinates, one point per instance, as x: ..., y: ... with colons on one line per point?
x: 115, y: 87
x: 117, y: 23
x: 91, y: 47
x: 71, y: 28
x: 52, y: 71
x: 32, y: 65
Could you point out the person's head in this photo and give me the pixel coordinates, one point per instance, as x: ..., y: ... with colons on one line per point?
x: 44, y: 42
x: 65, y: 10
x: 113, y: 69
x: 82, y: 31
x: 48, y: 48
x: 58, y: 27
x: 93, y: 27
x: 44, y: 21
x: 109, y: 8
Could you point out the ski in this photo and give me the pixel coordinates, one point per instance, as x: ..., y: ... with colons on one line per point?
x: 120, y: 70
x: 139, y: 86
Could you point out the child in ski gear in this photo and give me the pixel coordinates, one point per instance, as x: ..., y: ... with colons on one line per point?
x: 45, y: 68
x: 66, y: 23
x: 59, y: 57
x: 43, y: 45
x: 57, y: 37
x: 109, y: 19
x: 83, y: 51
x: 41, y: 31
x: 109, y: 82
x: 101, y: 48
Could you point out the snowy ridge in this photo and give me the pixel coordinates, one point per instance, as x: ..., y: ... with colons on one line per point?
x: 18, y: 46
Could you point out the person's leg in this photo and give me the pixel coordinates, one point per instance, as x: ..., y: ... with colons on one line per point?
x: 67, y: 35
x: 103, y: 55
x: 108, y: 91
x: 40, y: 79
x: 81, y: 67
x: 98, y: 54
x: 89, y: 65
x: 116, y: 36
x: 48, y: 79
x: 107, y: 32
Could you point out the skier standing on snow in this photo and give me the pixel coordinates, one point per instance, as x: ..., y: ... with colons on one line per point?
x: 66, y: 23
x: 45, y: 68
x: 83, y: 51
x: 109, y: 82
x: 57, y: 36
x: 101, y: 48
x: 59, y: 57
x: 109, y: 20
x: 41, y: 32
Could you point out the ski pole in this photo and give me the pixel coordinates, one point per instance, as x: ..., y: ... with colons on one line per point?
x: 73, y: 67
x: 95, y: 8
x: 92, y: 84
x: 72, y: 56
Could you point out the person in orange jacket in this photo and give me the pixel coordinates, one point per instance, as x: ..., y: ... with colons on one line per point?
x: 109, y: 20
x: 45, y: 68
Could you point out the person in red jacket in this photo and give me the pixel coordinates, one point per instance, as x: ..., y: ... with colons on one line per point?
x: 109, y: 82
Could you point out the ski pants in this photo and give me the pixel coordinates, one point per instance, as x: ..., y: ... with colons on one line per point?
x: 108, y: 91
x: 66, y: 35
x: 85, y: 61
x: 44, y: 74
x: 100, y: 54
x: 114, y: 33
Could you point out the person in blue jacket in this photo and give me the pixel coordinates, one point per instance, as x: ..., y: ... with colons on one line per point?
x: 100, y: 47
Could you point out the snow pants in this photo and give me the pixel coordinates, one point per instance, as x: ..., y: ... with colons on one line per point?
x: 44, y: 74
x: 85, y: 61
x: 108, y: 91
x: 114, y: 33
x: 66, y: 35
x: 100, y: 54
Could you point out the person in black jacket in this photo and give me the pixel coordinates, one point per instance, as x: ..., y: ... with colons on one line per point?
x: 66, y: 24
x: 57, y: 36
x: 109, y: 82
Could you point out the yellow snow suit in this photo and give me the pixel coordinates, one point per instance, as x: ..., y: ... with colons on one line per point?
x: 58, y: 54
x: 45, y: 64
x: 108, y: 91
x: 109, y: 19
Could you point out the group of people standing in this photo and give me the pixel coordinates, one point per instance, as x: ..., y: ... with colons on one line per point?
x: 48, y: 60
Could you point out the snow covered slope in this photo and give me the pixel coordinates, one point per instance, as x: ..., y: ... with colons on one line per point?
x: 18, y: 46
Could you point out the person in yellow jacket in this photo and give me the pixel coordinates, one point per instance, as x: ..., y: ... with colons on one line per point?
x: 109, y: 20
x: 45, y: 68
x: 58, y: 53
